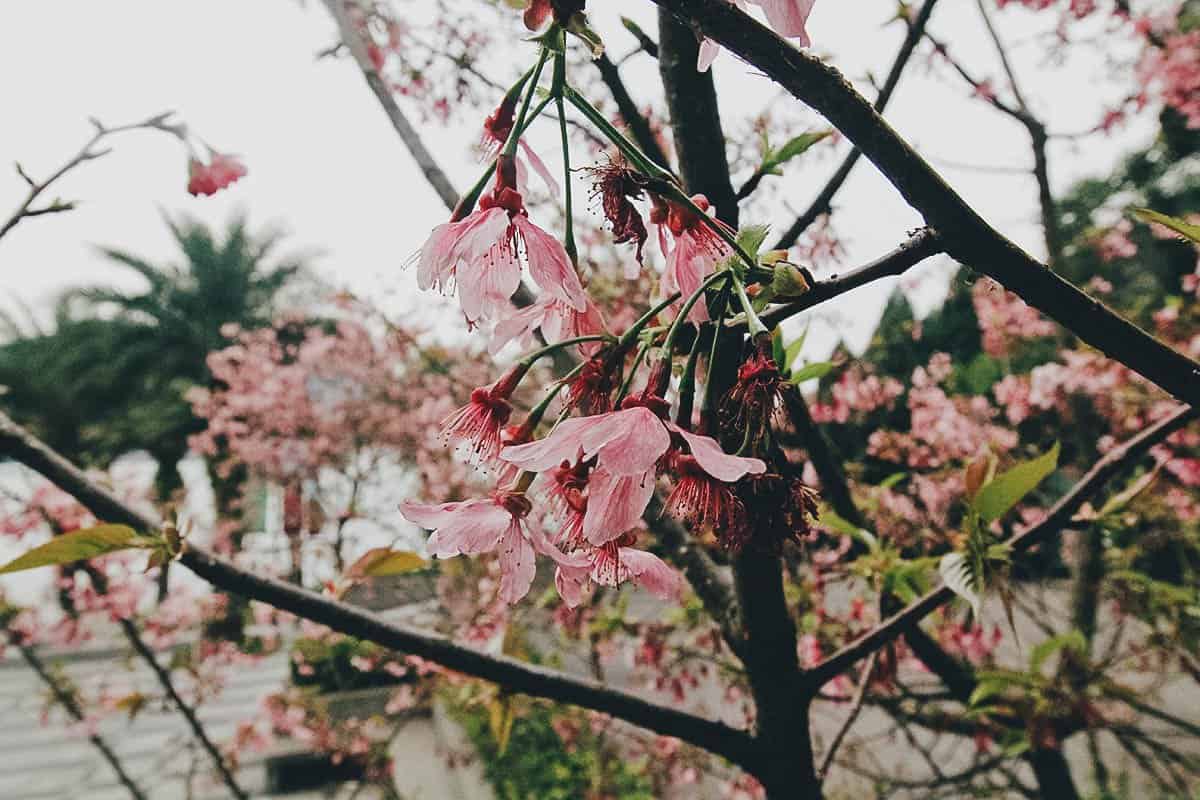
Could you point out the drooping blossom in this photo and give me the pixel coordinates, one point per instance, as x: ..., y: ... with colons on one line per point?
x: 496, y: 130
x: 557, y: 320
x: 696, y: 253
x: 612, y: 564
x: 479, y: 254
x: 627, y: 445
x: 480, y: 422
x: 221, y: 171
x: 789, y: 18
x: 484, y: 525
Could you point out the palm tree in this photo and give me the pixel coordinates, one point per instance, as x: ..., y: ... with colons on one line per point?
x: 112, y: 375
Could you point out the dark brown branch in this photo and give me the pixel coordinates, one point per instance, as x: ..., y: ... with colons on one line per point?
x: 968, y: 237
x: 408, y: 134
x: 635, y: 120
x: 823, y: 202
x: 68, y: 702
x: 1058, y: 517
x: 924, y: 244
x: 716, y: 737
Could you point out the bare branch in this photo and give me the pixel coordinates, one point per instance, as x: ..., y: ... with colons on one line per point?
x: 68, y: 702
x: 856, y: 705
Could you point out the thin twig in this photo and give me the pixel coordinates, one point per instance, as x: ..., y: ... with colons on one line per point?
x: 856, y: 705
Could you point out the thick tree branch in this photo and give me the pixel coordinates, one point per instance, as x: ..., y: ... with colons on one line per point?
x: 968, y: 237
x: 823, y: 202
x: 716, y: 737
x: 923, y: 244
x: 1058, y: 517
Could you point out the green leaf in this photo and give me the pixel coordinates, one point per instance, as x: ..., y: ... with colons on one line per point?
x: 751, y: 238
x: 960, y: 578
x: 810, y: 371
x: 777, y: 350
x: 990, y: 687
x: 81, y: 545
x: 1000, y: 494
x: 775, y: 159
x: 1183, y: 228
x: 1073, y: 641
x: 793, y: 349
x: 892, y: 480
x: 381, y: 561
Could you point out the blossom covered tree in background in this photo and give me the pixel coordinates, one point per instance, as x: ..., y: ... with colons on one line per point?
x: 811, y: 558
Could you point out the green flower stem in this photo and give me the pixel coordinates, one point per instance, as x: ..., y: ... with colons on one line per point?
x: 630, y: 150
x: 754, y: 325
x: 560, y: 81
x: 468, y: 201
x: 687, y: 385
x: 636, y: 328
x: 534, y: 418
x: 643, y: 348
x: 677, y: 325
x: 707, y: 402
x: 510, y: 147
x: 528, y: 361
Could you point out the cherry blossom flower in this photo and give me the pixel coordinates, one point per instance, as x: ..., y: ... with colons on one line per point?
x: 697, y: 250
x: 627, y: 445
x: 557, y: 320
x: 480, y: 254
x: 221, y: 171
x: 612, y: 564
x: 491, y: 524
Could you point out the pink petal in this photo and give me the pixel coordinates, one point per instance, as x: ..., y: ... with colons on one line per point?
x: 709, y: 50
x: 570, y: 583
x: 715, y: 461
x: 629, y: 442
x: 563, y: 444
x: 539, y: 167
x: 687, y: 266
x: 467, y: 528
x: 484, y: 285
x: 549, y: 265
x: 615, y: 504
x: 544, y: 546
x: 651, y: 573
x: 789, y: 17
x: 518, y: 325
x: 435, y: 267
x: 517, y: 564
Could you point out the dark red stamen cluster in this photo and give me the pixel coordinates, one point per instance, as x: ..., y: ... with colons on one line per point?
x: 591, y: 391
x: 778, y: 509
x: 701, y: 500
x: 753, y: 399
x: 617, y: 186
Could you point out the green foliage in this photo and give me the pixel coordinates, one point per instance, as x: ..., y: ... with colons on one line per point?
x: 996, y: 497
x: 774, y: 159
x: 537, y: 765
x: 82, y: 545
x: 111, y: 375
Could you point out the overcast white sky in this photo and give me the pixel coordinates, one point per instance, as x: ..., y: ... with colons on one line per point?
x: 326, y: 166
